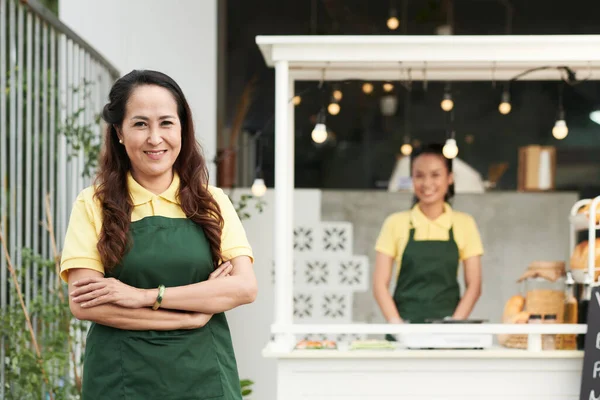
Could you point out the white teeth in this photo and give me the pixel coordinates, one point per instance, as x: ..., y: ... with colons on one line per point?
x: 155, y: 152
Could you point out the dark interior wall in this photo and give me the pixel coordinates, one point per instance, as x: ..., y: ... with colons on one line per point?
x: 367, y: 143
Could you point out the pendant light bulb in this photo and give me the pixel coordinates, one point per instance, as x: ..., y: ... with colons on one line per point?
x: 447, y: 104
x: 595, y: 116
x: 560, y: 130
x: 259, y: 188
x: 319, y: 134
x: 333, y: 108
x: 406, y: 149
x: 388, y: 87
x: 393, y: 23
x: 297, y: 100
x: 505, y: 106
x: 337, y: 95
x: 367, y: 88
x: 450, y: 149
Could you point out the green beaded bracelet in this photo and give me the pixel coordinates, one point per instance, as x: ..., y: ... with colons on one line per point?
x: 161, y: 292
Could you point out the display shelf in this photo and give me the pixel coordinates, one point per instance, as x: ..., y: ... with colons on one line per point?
x: 579, y: 222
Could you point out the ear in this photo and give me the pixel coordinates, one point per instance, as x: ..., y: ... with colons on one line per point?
x: 119, y: 132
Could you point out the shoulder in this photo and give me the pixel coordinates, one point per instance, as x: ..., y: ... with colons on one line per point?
x: 462, y: 219
x: 397, y: 220
x: 218, y: 194
x: 87, y: 198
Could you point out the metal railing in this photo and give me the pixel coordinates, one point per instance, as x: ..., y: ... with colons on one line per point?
x: 52, y: 87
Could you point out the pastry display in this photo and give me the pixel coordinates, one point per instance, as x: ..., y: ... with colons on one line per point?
x: 371, y: 344
x: 586, y: 211
x: 579, y: 258
x: 316, y: 345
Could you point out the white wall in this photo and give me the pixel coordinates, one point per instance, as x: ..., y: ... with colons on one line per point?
x: 177, y: 37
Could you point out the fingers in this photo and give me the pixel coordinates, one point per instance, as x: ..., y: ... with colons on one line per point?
x: 98, y: 301
x: 87, y: 281
x: 223, y: 270
x: 90, y: 296
x: 88, y: 288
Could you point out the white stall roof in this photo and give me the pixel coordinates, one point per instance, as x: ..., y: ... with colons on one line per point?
x: 469, y: 58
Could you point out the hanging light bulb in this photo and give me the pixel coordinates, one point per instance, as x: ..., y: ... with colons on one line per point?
x: 388, y: 87
x: 447, y: 104
x: 367, y: 88
x: 393, y: 23
x: 333, y: 108
x: 319, y: 134
x: 595, y: 116
x: 406, y: 149
x: 259, y: 188
x: 337, y: 94
x: 505, y: 106
x: 450, y: 149
x: 297, y: 100
x: 560, y: 130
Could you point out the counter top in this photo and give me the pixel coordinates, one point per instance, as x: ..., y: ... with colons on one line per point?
x: 495, y: 352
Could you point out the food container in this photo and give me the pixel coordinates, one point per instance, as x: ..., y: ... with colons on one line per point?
x: 543, y: 288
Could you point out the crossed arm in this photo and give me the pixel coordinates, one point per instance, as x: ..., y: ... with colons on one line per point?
x: 110, y: 302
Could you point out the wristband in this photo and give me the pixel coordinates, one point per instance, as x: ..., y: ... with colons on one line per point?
x: 161, y: 292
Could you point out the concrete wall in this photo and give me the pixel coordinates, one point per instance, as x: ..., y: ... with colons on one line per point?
x: 516, y: 228
x: 177, y: 37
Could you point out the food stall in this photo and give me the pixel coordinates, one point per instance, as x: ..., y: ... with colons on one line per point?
x: 437, y: 360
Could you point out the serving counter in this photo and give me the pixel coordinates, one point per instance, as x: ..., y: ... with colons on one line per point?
x: 494, y: 373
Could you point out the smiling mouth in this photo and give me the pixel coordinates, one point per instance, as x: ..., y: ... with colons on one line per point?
x: 155, y: 153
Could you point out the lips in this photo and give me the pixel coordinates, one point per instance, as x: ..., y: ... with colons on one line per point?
x: 155, y: 154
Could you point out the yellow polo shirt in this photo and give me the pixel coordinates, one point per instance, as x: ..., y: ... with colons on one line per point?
x: 79, y: 250
x: 395, y: 231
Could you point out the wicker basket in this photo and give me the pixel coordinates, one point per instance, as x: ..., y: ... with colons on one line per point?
x: 543, y: 301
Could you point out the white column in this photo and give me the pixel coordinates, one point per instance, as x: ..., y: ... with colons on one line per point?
x: 284, y: 190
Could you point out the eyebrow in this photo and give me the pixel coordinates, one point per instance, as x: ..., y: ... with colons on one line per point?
x: 146, y: 118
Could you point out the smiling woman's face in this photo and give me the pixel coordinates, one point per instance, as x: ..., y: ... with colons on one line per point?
x: 431, y: 178
x: 151, y: 133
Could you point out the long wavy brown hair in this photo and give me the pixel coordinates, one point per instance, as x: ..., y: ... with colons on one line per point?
x: 111, y: 181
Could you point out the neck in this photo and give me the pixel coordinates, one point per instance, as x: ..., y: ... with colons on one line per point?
x: 432, y: 211
x: 155, y: 184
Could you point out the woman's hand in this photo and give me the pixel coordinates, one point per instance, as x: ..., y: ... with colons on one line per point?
x: 95, y: 291
x: 198, y: 320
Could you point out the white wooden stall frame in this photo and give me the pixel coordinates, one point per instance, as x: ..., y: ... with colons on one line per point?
x: 432, y: 58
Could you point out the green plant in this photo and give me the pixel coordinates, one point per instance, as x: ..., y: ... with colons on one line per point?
x: 246, y: 386
x: 82, y: 138
x: 38, y: 361
x: 242, y: 205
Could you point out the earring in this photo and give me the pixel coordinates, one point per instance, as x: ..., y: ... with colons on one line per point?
x: 121, y: 141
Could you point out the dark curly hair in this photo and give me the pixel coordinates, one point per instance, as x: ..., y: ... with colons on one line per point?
x: 196, y: 201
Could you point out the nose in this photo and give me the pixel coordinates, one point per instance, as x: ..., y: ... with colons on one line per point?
x: 154, y: 137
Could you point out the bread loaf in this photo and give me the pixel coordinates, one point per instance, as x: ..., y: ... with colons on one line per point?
x: 579, y: 258
x: 514, y: 306
x: 586, y: 210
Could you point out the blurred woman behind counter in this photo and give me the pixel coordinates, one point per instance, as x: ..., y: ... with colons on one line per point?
x: 427, y: 243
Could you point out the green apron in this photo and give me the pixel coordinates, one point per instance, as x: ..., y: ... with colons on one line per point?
x: 427, y: 287
x: 163, y: 365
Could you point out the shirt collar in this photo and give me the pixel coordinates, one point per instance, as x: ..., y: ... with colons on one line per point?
x: 141, y: 195
x: 419, y: 219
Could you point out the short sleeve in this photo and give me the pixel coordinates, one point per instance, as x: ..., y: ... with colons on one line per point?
x: 472, y: 245
x: 387, y: 242
x: 80, y: 245
x: 234, y: 242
